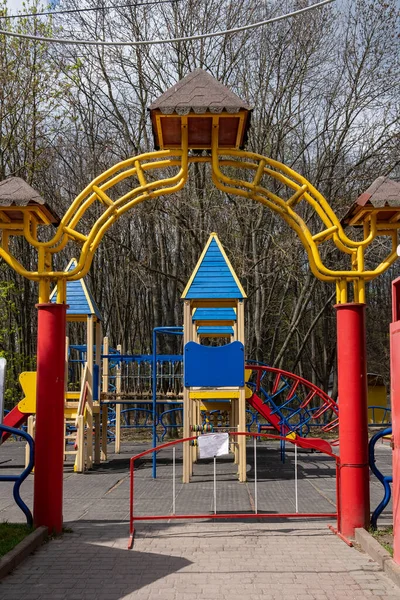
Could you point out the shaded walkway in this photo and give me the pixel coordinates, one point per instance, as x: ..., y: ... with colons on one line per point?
x: 283, y: 560
x: 207, y: 561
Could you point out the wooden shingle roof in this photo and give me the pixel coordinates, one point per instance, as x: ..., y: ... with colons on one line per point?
x: 382, y: 192
x: 198, y: 92
x: 15, y: 190
x: 15, y: 193
x: 380, y: 197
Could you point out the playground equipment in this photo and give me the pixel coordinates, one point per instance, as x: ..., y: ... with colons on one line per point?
x: 385, y: 480
x: 201, y: 113
x: 395, y: 400
x: 81, y: 407
x: 378, y: 402
x: 19, y: 479
x: 213, y: 373
x: 215, y: 377
x: 6, y: 431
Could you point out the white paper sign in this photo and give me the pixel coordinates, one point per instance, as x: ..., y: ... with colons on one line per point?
x: 213, y: 444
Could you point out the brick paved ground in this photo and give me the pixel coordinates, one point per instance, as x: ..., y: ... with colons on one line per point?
x: 270, y: 560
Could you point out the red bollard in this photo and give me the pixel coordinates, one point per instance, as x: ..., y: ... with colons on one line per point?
x: 49, y: 436
x: 395, y: 404
x: 353, y: 418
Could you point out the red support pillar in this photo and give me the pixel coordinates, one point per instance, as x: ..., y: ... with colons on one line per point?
x: 49, y: 436
x: 395, y: 403
x: 353, y: 418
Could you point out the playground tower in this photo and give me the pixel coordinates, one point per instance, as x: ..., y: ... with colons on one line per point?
x: 213, y: 306
x: 200, y: 121
x: 82, y: 308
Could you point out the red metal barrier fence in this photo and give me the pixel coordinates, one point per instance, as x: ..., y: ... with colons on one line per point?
x: 304, y: 443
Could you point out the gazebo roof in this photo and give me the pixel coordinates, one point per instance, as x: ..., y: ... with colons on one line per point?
x: 17, y: 196
x: 198, y: 92
x: 199, y: 103
x: 381, y: 196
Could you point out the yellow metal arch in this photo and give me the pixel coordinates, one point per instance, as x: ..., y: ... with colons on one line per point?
x: 143, y: 169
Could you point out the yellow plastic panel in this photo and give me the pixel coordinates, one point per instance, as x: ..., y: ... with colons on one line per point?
x: 27, y: 380
x: 214, y: 394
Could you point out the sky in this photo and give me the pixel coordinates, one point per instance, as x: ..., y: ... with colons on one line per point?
x: 16, y: 5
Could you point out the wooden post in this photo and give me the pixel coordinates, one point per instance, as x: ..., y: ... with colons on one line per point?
x: 104, y: 387
x: 89, y: 400
x: 235, y: 330
x: 196, y: 420
x: 96, y: 416
x: 187, y: 329
x: 65, y: 394
x: 66, y: 364
x: 118, y: 405
x: 31, y: 430
x: 242, y: 401
x: 234, y: 423
x: 80, y: 440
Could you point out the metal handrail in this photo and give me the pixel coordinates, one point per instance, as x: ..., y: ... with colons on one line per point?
x: 3, y: 364
x: 385, y: 480
x: 19, y: 479
x: 386, y: 417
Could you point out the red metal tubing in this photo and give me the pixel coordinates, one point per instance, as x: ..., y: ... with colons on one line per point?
x: 308, y: 399
x: 353, y: 421
x: 338, y: 494
x: 395, y: 404
x: 298, y: 378
x: 293, y: 390
x: 331, y: 426
x: 305, y: 443
x: 239, y: 516
x: 318, y: 413
x: 131, y: 491
x: 49, y: 438
x: 276, y: 383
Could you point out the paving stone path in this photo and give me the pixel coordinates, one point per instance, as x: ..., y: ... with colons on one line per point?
x: 280, y: 560
x: 199, y: 561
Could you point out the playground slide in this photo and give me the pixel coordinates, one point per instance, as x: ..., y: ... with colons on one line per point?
x: 307, y: 443
x: 265, y: 411
x: 15, y: 418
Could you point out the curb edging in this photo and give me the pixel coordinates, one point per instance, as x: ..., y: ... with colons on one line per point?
x: 372, y: 547
x: 22, y: 550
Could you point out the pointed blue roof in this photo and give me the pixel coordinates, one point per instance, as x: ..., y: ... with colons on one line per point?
x: 81, y: 303
x: 214, y: 276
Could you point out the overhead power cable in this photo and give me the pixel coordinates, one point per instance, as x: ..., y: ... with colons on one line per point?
x: 92, y: 9
x: 201, y: 36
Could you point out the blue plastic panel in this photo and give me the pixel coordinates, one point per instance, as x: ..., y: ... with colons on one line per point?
x: 214, y: 314
x: 223, y: 330
x: 213, y: 366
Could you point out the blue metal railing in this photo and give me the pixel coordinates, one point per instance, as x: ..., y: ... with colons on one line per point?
x: 384, y: 413
x: 385, y: 480
x: 19, y: 479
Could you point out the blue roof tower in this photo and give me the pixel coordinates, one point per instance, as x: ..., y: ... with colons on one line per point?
x: 81, y: 303
x: 213, y: 276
